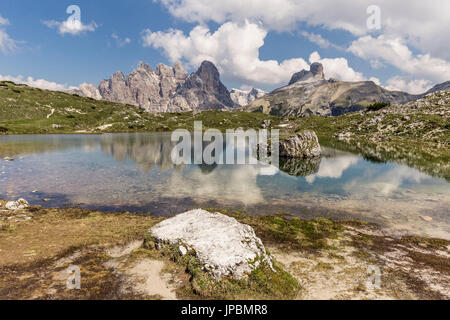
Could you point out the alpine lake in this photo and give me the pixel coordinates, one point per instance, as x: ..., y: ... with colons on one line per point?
x: 135, y: 173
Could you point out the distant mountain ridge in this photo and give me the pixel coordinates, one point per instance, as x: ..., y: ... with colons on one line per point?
x: 172, y: 89
x: 309, y: 93
x: 244, y: 97
x: 439, y: 87
x: 166, y: 89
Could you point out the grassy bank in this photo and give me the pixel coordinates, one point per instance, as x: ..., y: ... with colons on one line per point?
x: 30, y: 110
x: 26, y: 110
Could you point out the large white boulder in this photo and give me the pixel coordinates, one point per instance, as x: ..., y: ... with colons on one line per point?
x: 17, y: 205
x: 223, y: 245
x: 302, y: 145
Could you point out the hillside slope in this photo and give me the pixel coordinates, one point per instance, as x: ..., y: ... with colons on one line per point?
x: 27, y: 110
x: 325, y: 98
x: 445, y: 86
x: 416, y: 133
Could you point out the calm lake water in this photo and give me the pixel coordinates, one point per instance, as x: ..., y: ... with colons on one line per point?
x: 134, y: 172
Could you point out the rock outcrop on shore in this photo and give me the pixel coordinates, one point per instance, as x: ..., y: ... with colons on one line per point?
x: 303, y: 145
x: 223, y: 245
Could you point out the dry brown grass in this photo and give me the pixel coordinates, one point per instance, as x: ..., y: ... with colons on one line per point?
x: 52, y: 232
x: 35, y: 253
x: 31, y: 251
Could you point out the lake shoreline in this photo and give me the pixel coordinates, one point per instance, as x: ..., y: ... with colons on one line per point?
x: 138, y: 175
x: 331, y: 211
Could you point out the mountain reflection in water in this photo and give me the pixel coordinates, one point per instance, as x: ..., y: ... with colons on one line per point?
x: 135, y: 172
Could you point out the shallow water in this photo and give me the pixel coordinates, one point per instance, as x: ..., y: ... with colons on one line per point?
x: 134, y: 172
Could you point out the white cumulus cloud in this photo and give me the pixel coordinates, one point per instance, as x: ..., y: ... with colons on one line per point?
x: 234, y: 48
x: 394, y: 51
x: 71, y: 26
x: 3, y: 21
x: 119, y: 41
x: 416, y: 86
x: 319, y: 40
x: 412, y: 37
x: 7, y: 44
x: 280, y: 15
x: 337, y: 68
x: 37, y: 83
x: 421, y: 23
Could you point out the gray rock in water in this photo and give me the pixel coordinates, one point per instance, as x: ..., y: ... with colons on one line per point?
x: 223, y: 245
x: 302, y: 145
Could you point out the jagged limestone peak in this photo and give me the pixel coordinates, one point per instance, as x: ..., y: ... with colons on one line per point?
x: 314, y: 74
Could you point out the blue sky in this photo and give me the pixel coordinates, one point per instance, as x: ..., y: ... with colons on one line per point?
x: 87, y: 57
x: 254, y: 44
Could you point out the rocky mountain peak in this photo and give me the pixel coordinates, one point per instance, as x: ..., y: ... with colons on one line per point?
x: 317, y: 70
x: 163, y: 70
x: 210, y: 76
x: 243, y: 98
x: 255, y: 92
x: 118, y: 76
x: 167, y: 89
x: 179, y: 72
x: 309, y: 94
x: 315, y: 73
x: 206, y: 85
x: 146, y: 67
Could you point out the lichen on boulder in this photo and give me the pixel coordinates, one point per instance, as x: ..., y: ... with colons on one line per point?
x: 225, y: 247
x: 302, y: 145
x: 17, y: 205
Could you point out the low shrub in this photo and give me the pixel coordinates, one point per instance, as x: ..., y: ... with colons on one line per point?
x: 378, y: 106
